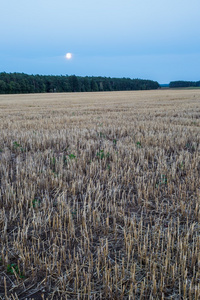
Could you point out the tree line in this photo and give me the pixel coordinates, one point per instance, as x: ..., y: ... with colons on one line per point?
x: 181, y: 83
x: 17, y: 83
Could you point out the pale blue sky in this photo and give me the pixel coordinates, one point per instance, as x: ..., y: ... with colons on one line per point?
x: 157, y: 39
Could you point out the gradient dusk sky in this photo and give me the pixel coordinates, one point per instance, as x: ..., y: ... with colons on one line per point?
x: 157, y: 39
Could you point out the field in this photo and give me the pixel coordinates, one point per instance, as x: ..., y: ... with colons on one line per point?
x: 100, y: 195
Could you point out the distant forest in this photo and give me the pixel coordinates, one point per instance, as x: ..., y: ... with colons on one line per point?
x: 16, y: 83
x: 181, y: 84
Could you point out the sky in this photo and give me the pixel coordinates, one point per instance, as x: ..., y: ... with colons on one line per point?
x: 157, y: 39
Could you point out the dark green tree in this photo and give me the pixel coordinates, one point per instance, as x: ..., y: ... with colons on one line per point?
x: 74, y: 83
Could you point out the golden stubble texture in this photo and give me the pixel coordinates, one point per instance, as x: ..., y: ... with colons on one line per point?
x: 100, y: 195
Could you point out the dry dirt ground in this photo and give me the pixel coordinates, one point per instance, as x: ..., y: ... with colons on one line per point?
x: 100, y: 195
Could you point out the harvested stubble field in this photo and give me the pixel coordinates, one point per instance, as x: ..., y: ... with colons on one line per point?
x: 100, y: 195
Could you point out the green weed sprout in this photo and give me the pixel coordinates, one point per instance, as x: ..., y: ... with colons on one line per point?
x: 11, y: 268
